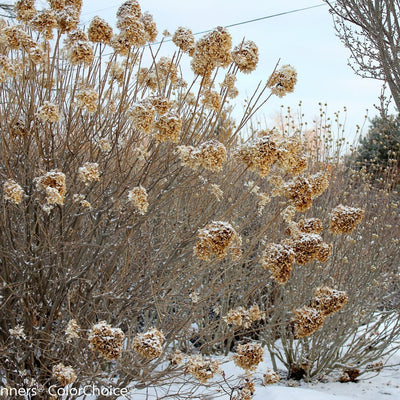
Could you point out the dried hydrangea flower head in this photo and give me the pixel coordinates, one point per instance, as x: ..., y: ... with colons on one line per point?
x: 132, y: 31
x: 271, y: 377
x: 44, y: 22
x: 68, y: 18
x: 65, y: 375
x: 169, y: 127
x: 167, y: 69
x: 212, y: 100
x: 210, y: 155
x: 25, y: 10
x: 89, y: 172
x: 129, y: 8
x: 138, y: 197
x: 184, y: 39
x: 53, y: 184
x: 80, y: 52
x: 17, y: 332
x: 310, y: 225
x: 279, y: 259
x: 150, y: 27
x: 13, y: 191
x: 290, y: 155
x: 160, y: 104
x: 319, y: 183
x: 328, y: 300
x: 344, y: 219
x: 299, y: 191
x: 149, y: 344
x: 349, y: 375
x: 306, y: 321
x: 143, y: 114
x: 72, y: 330
x: 211, y: 51
x: 48, y: 112
x: 245, y: 56
x: 248, y: 356
x: 99, y: 31
x: 104, y: 144
x: 147, y: 78
x: 308, y: 247
x: 106, y: 340
x: 259, y: 154
x: 241, y: 317
x: 246, y: 390
x: 77, y: 35
x: 282, y: 81
x: 36, y: 55
x: 8, y: 68
x: 202, y: 369
x: 87, y: 99
x: 176, y: 358
x: 216, y: 239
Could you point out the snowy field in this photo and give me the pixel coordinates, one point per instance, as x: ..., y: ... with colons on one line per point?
x: 385, y: 385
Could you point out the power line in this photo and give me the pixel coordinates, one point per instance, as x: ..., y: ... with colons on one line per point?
x: 266, y: 17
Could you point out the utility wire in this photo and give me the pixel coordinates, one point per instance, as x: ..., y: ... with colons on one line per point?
x: 266, y: 17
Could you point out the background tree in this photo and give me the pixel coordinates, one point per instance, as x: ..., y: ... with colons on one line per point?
x: 370, y: 29
x: 379, y: 149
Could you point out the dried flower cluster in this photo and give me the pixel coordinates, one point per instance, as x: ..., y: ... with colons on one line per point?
x: 279, y: 259
x: 309, y: 319
x: 89, y: 172
x: 210, y: 155
x: 184, y: 39
x: 216, y: 239
x: 271, y: 377
x: 344, y: 219
x: 241, y: 317
x: 306, y: 321
x: 106, y: 340
x: 176, y: 358
x: 302, y: 190
x: 99, y: 31
x: 143, y: 114
x: 308, y: 247
x: 168, y: 127
x: 349, y: 375
x: 129, y: 22
x: 80, y: 52
x: 212, y: 100
x: 149, y: 344
x: 9, y: 68
x: 65, y: 375
x: 13, y: 191
x: 48, y: 112
x: 328, y: 300
x: 248, y: 356
x: 201, y: 368
x: 245, y: 56
x: 211, y: 51
x: 17, y: 332
x: 87, y: 99
x: 270, y: 147
x: 138, y: 197
x: 53, y: 184
x: 282, y: 81
x: 72, y: 330
x: 246, y: 390
x: 25, y: 10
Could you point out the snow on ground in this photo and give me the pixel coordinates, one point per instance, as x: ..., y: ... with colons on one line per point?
x: 385, y: 385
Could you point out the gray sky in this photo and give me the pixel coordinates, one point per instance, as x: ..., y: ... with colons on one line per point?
x: 305, y: 40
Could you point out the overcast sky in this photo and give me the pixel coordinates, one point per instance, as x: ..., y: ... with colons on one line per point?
x: 303, y: 39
